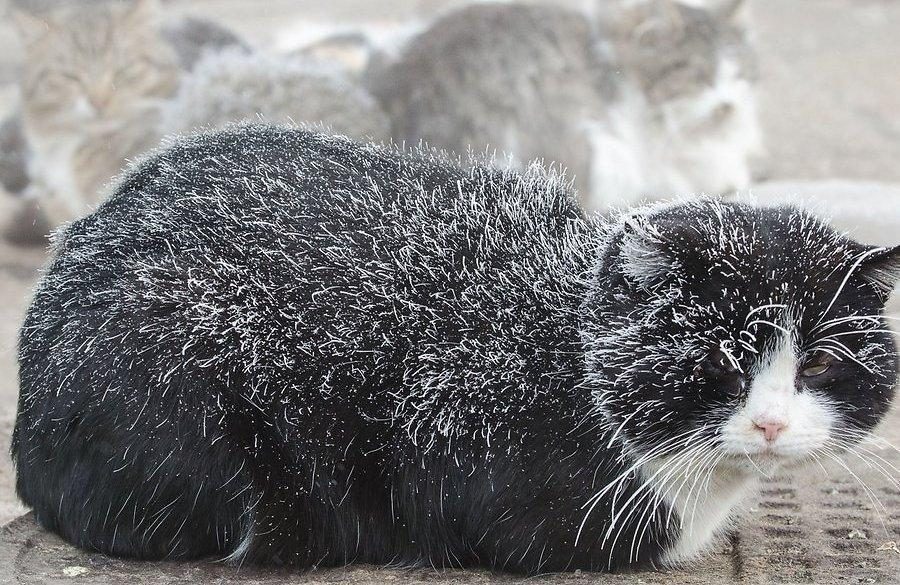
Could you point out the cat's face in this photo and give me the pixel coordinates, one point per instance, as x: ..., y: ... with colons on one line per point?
x: 754, y: 336
x: 676, y: 50
x: 696, y: 71
x: 93, y: 62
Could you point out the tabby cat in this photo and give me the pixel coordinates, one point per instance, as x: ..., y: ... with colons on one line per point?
x: 104, y: 82
x: 94, y: 78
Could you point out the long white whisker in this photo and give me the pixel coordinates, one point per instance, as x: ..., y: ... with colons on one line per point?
x: 869, y: 460
x: 702, y: 490
x: 652, y: 496
x: 644, y: 491
x: 873, y: 497
x: 850, y: 272
x: 662, y: 496
x: 663, y: 448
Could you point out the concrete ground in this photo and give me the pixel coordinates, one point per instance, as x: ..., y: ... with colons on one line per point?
x: 830, y: 103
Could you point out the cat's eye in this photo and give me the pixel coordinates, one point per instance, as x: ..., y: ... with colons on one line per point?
x: 723, y: 371
x: 131, y: 73
x: 716, y: 364
x: 815, y: 369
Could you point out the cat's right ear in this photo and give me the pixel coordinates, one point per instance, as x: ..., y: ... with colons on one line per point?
x: 881, y: 268
x: 143, y: 11
x: 730, y: 10
x: 632, y: 21
x: 645, y: 259
x: 31, y: 27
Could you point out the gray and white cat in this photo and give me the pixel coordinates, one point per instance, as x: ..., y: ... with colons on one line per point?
x: 234, y: 85
x: 641, y: 99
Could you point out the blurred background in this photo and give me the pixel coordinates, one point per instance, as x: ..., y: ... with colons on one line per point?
x: 637, y: 99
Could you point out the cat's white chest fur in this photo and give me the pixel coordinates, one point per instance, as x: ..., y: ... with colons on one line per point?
x: 704, y: 510
x: 54, y: 185
x: 701, y: 144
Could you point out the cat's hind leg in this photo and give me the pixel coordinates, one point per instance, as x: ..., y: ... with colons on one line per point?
x: 130, y: 470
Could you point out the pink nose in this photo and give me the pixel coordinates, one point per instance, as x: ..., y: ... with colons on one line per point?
x: 770, y: 428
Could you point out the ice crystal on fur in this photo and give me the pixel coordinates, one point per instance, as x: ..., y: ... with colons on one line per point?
x: 282, y: 347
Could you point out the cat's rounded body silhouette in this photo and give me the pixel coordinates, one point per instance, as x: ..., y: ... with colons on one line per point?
x: 275, y: 346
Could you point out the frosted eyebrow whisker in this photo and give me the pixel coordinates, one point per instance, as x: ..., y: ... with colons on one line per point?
x: 764, y: 322
x: 876, y: 319
x: 860, y: 332
x: 748, y: 347
x: 828, y: 351
x: 847, y: 352
x: 840, y: 320
x: 734, y: 361
x: 763, y: 308
x: 853, y: 268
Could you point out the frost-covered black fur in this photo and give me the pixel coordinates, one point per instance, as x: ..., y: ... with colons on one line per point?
x: 281, y: 347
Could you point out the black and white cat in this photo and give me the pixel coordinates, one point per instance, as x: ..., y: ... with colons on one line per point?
x: 280, y: 347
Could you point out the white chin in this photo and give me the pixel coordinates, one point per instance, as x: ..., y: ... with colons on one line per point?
x: 765, y: 463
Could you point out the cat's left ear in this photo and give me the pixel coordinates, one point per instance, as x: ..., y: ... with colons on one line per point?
x: 723, y: 10
x: 731, y: 9
x: 881, y: 267
x: 31, y: 27
x: 143, y: 11
x: 646, y: 260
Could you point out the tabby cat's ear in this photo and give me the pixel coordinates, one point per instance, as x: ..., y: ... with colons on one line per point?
x: 646, y: 259
x: 723, y: 10
x: 142, y: 12
x: 733, y: 10
x: 881, y: 267
x: 631, y: 21
x: 31, y: 27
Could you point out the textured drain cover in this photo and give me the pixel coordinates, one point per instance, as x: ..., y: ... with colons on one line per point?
x: 814, y: 530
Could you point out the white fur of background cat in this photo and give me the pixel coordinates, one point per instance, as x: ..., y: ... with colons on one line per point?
x: 239, y: 85
x: 637, y: 99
